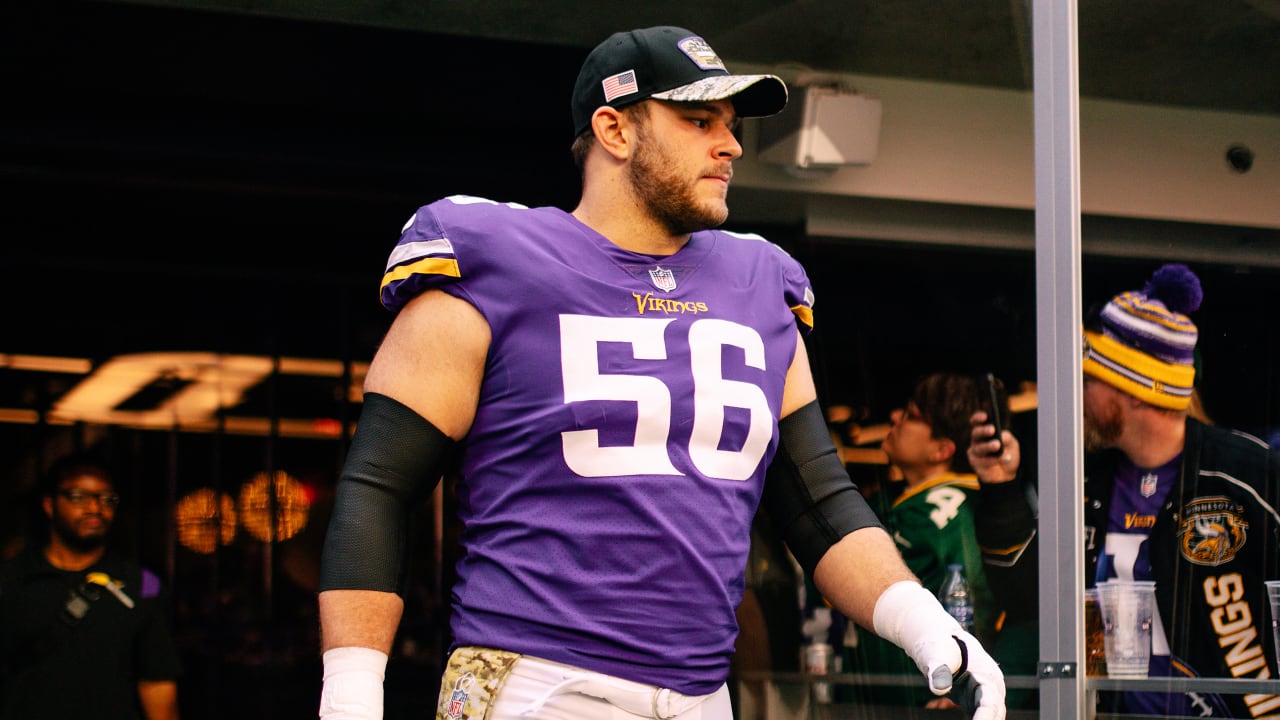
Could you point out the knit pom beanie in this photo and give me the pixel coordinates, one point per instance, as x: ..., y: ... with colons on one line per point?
x: 1147, y: 344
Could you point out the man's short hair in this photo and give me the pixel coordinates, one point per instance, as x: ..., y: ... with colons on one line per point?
x: 946, y: 400
x: 581, y: 147
x: 74, y: 465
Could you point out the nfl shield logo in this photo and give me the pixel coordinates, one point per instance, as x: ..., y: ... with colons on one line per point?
x: 457, y: 703
x: 457, y: 706
x: 664, y: 280
x: 1148, y: 485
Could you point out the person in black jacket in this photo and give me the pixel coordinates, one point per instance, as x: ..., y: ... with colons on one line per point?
x: 1167, y: 498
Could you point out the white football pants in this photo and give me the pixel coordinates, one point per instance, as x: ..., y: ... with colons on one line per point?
x: 542, y: 690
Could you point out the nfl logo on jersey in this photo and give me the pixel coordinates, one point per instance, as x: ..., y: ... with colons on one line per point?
x: 664, y: 280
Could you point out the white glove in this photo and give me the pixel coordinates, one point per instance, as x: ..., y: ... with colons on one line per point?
x: 910, y: 617
x: 352, y: 687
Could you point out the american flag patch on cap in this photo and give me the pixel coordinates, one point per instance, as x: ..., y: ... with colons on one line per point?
x: 624, y: 83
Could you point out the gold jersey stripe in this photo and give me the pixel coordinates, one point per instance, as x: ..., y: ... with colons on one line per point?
x: 804, y: 313
x: 425, y: 266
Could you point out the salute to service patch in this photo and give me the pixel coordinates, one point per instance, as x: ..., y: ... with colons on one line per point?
x: 471, y: 682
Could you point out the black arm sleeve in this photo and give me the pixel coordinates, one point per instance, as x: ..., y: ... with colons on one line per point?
x: 396, y: 457
x: 807, y: 492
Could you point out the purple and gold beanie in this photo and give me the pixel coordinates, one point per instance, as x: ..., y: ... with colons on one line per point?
x: 1147, y: 344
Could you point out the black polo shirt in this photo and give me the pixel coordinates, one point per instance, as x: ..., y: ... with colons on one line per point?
x: 71, y: 648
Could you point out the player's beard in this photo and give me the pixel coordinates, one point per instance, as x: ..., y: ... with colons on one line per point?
x: 1102, y: 429
x: 668, y: 196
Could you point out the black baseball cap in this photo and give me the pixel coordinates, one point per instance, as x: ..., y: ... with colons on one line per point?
x: 667, y: 63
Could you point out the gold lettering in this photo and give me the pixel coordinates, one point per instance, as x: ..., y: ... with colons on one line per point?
x: 1132, y: 520
x: 1247, y: 667
x: 1218, y: 591
x: 1240, y: 648
x: 647, y: 302
x: 1259, y: 704
x: 1232, y: 619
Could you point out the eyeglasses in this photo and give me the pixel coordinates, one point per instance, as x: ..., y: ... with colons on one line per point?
x: 108, y: 500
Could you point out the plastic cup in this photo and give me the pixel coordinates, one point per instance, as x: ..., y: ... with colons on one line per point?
x: 1127, y: 611
x: 1095, y: 655
x: 1273, y: 594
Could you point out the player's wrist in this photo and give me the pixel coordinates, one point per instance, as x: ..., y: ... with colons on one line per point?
x: 908, y: 615
x: 352, y: 687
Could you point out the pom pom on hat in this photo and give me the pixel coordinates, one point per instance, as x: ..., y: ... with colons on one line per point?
x: 1177, y: 287
x: 1147, y: 344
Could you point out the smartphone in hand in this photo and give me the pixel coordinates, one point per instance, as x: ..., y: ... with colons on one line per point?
x: 993, y: 417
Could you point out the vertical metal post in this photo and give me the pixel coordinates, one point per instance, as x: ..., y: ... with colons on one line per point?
x: 170, y: 516
x: 273, y: 521
x: 1058, y: 360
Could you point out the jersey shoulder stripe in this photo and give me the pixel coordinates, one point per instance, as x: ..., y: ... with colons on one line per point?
x: 427, y: 255
x: 804, y: 314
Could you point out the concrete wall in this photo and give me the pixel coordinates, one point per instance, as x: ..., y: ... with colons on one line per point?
x: 955, y: 165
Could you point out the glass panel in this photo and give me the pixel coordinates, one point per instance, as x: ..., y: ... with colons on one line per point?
x: 1168, y: 499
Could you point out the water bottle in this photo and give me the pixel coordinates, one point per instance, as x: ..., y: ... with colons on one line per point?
x: 956, y: 597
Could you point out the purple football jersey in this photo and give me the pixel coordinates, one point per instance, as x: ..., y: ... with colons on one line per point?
x: 627, y: 414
